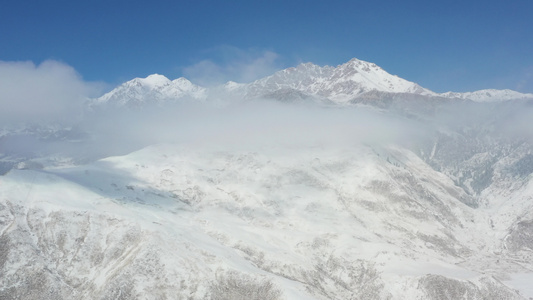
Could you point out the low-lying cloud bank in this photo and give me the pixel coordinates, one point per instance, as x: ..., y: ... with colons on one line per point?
x: 265, y: 123
x: 256, y: 123
x: 250, y: 125
x: 46, y: 92
x: 54, y: 92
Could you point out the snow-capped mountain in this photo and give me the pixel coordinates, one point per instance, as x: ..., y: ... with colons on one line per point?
x: 154, y: 89
x: 347, y: 83
x: 338, y: 84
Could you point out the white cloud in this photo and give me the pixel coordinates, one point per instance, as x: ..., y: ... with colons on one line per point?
x: 250, y: 125
x: 230, y: 63
x: 45, y: 92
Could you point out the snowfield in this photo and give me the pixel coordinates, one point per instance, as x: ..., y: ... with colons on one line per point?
x: 319, y: 223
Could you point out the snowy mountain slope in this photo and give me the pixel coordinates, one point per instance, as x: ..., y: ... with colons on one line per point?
x: 170, y: 221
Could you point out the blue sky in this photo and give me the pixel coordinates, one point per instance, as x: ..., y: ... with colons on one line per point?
x: 445, y: 45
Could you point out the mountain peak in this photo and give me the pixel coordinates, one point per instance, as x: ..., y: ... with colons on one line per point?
x: 339, y: 84
x: 155, y: 80
x: 355, y: 61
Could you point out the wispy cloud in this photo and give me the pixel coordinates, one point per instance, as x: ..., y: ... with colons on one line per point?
x: 231, y: 63
x: 33, y: 93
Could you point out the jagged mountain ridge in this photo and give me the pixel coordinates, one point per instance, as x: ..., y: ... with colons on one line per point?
x: 339, y: 85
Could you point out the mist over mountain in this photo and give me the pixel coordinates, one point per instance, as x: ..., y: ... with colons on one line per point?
x: 314, y: 182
